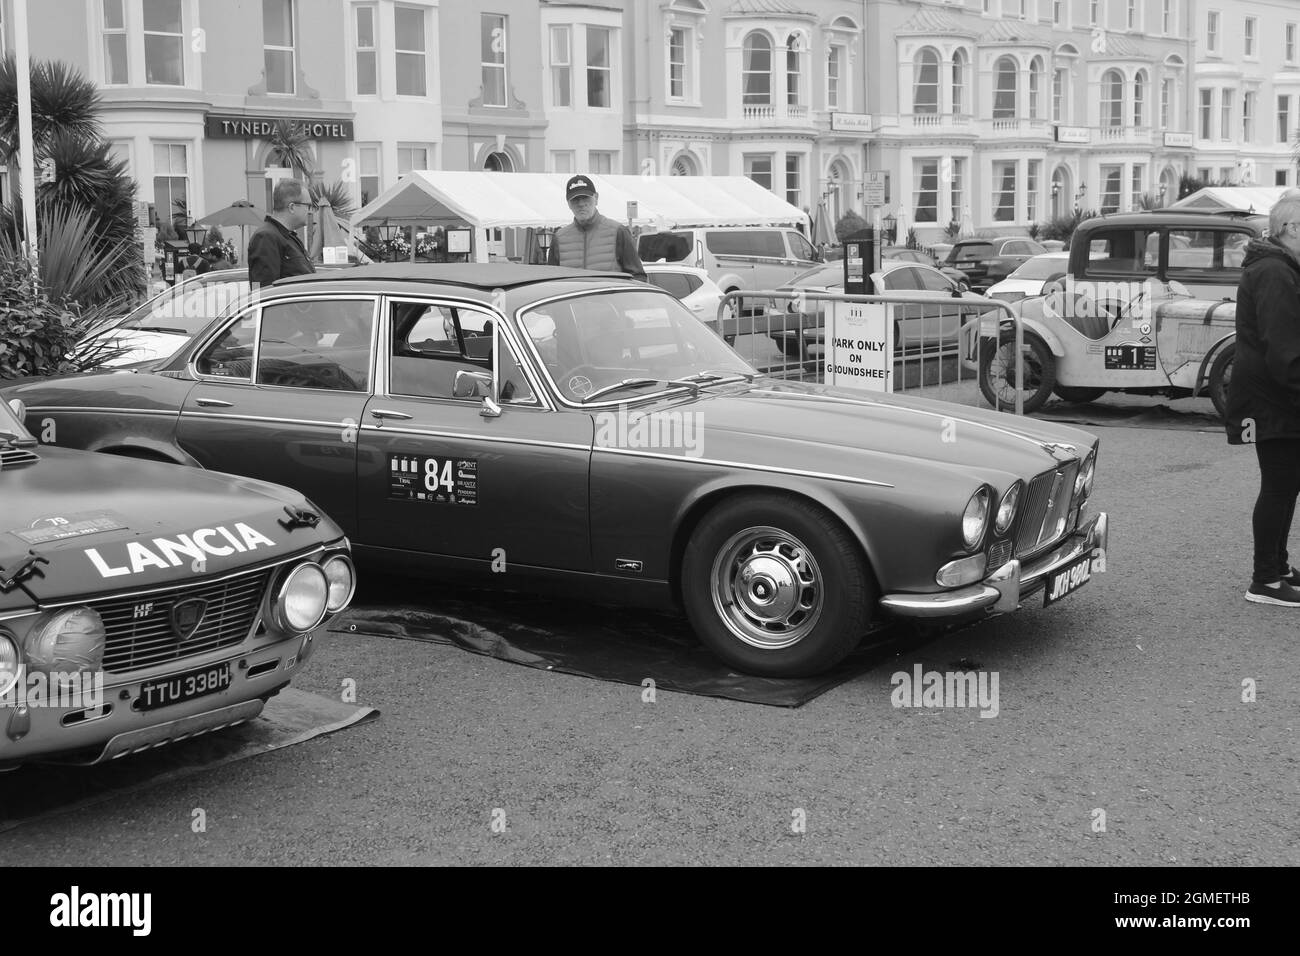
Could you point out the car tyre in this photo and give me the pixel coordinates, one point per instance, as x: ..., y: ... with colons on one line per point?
x: 775, y: 586
x: 1078, y: 396
x: 1220, y: 376
x: 997, y: 380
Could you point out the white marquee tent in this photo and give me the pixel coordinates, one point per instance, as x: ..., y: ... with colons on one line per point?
x: 1258, y: 199
x: 487, y: 201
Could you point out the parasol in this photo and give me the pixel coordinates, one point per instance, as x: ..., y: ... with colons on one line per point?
x: 241, y: 213
x: 324, y: 231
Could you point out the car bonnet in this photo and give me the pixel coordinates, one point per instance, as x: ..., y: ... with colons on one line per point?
x: 107, y: 524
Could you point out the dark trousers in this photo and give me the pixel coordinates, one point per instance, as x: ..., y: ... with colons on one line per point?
x: 1279, y: 485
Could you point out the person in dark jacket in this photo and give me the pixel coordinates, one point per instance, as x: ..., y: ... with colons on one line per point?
x: 591, y: 241
x: 1264, y: 394
x: 275, y: 251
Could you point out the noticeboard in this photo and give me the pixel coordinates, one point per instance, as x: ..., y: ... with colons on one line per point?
x: 458, y: 241
x: 860, y: 346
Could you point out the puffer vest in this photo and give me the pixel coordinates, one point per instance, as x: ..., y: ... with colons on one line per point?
x: 595, y: 247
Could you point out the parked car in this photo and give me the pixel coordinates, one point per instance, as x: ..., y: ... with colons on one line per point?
x: 532, y: 426
x: 920, y: 255
x: 1033, y: 277
x: 1203, y: 252
x: 916, y: 327
x: 988, y: 261
x: 691, y: 287
x: 142, y: 603
x: 162, y: 324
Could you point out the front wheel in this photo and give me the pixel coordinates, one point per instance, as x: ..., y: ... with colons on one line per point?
x: 1000, y: 379
x: 1220, y: 376
x: 775, y: 586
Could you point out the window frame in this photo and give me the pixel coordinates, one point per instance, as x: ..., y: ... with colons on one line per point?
x: 400, y: 51
x: 555, y: 67
x: 358, y: 50
x: 607, y: 69
x: 122, y: 32
x: 145, y: 33
x: 292, y: 50
x: 487, y: 67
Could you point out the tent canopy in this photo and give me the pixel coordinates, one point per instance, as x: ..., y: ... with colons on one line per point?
x: 486, y: 200
x: 1244, y: 198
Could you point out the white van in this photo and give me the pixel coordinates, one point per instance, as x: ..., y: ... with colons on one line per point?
x: 736, y: 258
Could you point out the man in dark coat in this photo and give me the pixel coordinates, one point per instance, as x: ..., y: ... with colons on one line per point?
x: 275, y: 251
x: 591, y: 241
x: 1264, y: 394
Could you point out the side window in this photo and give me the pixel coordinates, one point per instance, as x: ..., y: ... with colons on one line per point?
x: 1196, y: 253
x: 748, y: 242
x: 676, y: 284
x: 231, y: 354
x: 800, y: 247
x: 902, y: 280
x: 317, y: 343
x: 1123, y: 253
x: 932, y: 281
x: 433, y: 342
x: 665, y: 246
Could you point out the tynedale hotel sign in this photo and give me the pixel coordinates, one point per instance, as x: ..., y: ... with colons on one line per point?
x: 248, y: 127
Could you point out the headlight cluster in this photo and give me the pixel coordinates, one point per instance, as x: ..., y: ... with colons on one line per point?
x: 10, y: 662
x: 1083, y: 480
x: 975, y: 519
x: 307, y: 592
x: 1007, y: 509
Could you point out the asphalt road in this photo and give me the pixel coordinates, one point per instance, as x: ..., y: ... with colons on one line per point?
x: 1125, y: 698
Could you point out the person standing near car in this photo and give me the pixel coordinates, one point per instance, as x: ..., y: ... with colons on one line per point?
x: 592, y: 241
x: 275, y: 251
x: 1263, y: 405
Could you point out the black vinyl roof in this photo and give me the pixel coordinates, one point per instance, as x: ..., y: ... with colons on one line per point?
x: 476, y: 275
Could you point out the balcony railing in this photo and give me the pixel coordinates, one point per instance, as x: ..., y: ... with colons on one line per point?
x: 1125, y: 134
x: 1008, y: 126
x: 768, y: 114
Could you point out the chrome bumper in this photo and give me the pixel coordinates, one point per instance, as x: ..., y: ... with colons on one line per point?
x: 1003, y: 590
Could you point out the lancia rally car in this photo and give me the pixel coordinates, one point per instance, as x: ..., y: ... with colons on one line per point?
x: 543, y: 428
x: 142, y: 604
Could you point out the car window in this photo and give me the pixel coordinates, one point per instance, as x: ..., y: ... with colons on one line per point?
x: 230, y: 355
x: 1123, y: 252
x: 677, y: 284
x: 970, y: 252
x: 932, y: 281
x: 1038, y: 268
x: 899, y: 280
x: 432, y: 342
x: 1193, y: 251
x: 186, y: 308
x: 666, y: 246
x: 747, y: 242
x: 800, y: 247
x: 316, y: 343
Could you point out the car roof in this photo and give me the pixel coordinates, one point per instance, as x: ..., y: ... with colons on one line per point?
x: 1153, y: 219
x: 674, y: 267
x: 485, y: 276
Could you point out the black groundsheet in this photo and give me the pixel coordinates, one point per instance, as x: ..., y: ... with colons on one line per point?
x: 1130, y: 416
x: 291, y: 717
x: 626, y: 646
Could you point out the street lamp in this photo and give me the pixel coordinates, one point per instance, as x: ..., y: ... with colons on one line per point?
x: 196, y: 234
x: 1078, y: 197
x: 889, y: 227
x: 1163, y: 187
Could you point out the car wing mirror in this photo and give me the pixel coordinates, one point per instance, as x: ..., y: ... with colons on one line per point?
x: 1177, y: 288
x: 18, y: 408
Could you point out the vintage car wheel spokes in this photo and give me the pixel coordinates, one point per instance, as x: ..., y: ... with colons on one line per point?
x: 767, y: 588
x: 999, y: 381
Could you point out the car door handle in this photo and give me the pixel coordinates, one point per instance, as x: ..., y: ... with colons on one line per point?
x: 382, y: 413
x: 213, y: 403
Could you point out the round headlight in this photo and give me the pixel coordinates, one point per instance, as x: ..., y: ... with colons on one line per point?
x: 10, y: 664
x: 70, y: 640
x: 342, y: 582
x: 302, y: 599
x: 1007, y: 510
x: 1083, y: 480
x: 976, y: 518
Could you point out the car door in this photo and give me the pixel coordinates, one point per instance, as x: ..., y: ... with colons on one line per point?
x: 802, y: 255
x: 437, y: 476
x: 280, y: 395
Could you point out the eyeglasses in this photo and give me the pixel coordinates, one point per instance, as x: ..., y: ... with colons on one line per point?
x: 300, y: 203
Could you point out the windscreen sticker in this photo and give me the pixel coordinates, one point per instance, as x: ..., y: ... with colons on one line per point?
x: 439, y: 480
x: 58, y: 527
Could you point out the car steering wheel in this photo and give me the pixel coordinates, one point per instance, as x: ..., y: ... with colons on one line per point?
x: 578, y: 381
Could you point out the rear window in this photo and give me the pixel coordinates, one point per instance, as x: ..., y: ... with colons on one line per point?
x: 677, y: 284
x: 666, y: 246
x: 966, y: 252
x: 747, y: 243
x: 1040, y: 269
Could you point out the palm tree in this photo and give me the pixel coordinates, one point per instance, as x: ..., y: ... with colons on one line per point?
x: 291, y: 148
x: 62, y: 101
x: 337, y: 195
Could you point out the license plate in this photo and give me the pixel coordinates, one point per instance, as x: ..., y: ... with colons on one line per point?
x: 176, y: 690
x: 1067, y: 580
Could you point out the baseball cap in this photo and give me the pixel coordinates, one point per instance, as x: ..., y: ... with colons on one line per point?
x: 578, y: 186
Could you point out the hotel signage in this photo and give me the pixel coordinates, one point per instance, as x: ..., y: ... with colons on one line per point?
x: 253, y: 127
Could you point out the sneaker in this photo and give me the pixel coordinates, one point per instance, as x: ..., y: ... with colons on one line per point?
x: 1283, y: 595
x: 1292, y: 577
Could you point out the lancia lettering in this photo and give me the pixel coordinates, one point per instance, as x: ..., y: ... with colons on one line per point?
x: 164, y: 553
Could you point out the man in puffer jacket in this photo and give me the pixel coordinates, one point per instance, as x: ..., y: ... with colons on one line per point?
x: 591, y: 241
x: 1264, y: 395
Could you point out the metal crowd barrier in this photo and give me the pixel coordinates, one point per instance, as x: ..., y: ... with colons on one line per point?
x: 783, y: 335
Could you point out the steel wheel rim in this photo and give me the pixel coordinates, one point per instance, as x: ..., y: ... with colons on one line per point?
x: 767, y: 588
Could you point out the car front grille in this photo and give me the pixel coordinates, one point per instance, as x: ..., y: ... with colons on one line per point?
x: 140, y: 630
x: 999, y: 554
x: 1047, y: 507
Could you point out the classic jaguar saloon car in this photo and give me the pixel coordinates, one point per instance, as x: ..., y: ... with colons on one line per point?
x: 543, y: 428
x: 142, y: 604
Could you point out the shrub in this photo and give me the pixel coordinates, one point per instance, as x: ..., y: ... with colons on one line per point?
x: 1061, y: 228
x: 1034, y: 230
x: 850, y: 223
x: 38, y: 333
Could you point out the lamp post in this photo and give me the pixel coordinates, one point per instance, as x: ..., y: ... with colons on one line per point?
x: 26, y: 150
x: 1056, y: 192
x: 1163, y: 187
x: 889, y: 228
x: 195, y: 234
x: 1078, y: 197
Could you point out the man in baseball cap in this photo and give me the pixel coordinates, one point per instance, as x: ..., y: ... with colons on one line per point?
x: 591, y: 241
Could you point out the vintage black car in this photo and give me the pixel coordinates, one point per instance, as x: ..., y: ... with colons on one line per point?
x: 142, y: 603
x: 546, y: 428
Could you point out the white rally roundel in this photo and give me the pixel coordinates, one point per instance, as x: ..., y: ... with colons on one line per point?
x: 580, y: 385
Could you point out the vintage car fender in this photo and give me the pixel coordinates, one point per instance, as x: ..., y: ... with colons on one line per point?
x: 1040, y: 329
x: 1203, y: 372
